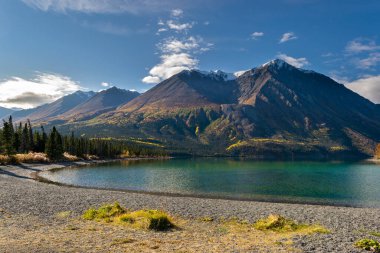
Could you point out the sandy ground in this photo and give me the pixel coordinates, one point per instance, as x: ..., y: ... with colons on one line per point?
x: 40, y: 217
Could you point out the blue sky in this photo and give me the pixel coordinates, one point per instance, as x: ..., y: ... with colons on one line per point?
x: 49, y: 48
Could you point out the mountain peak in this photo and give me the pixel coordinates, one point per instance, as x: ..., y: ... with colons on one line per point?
x: 278, y: 63
x: 214, y: 74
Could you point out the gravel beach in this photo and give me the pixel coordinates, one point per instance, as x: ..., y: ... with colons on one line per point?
x: 24, y: 201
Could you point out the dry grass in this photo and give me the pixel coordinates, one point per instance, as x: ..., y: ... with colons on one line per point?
x: 69, y: 157
x: 280, y: 224
x: 4, y: 159
x: 78, y: 235
x: 32, y: 158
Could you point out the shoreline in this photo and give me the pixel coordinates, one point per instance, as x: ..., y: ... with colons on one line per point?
x: 26, y: 200
x: 265, y: 199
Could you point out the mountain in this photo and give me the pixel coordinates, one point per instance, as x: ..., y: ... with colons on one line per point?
x: 4, y: 112
x: 54, y: 109
x: 104, y: 101
x: 275, y: 110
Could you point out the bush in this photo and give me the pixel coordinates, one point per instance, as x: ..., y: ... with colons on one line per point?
x: 146, y: 219
x: 368, y: 244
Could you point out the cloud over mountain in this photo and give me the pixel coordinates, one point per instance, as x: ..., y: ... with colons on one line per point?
x: 44, y: 88
x: 178, y: 50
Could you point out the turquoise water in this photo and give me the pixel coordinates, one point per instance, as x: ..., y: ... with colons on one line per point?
x: 337, y: 183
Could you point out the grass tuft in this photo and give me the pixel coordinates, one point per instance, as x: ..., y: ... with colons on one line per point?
x: 145, y: 219
x: 104, y: 213
x: 148, y: 219
x: 278, y: 223
x: 368, y: 244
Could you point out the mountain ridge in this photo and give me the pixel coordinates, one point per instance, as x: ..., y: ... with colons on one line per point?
x: 274, y: 110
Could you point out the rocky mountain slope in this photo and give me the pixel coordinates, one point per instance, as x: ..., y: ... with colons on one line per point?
x: 272, y: 111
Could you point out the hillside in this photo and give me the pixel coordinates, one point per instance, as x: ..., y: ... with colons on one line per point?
x: 47, y: 111
x: 274, y: 110
x: 104, y: 101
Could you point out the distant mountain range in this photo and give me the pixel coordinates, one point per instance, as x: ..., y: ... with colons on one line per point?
x: 5, y: 112
x: 272, y: 111
x: 77, y: 106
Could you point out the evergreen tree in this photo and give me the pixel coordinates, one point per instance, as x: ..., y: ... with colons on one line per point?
x: 24, y: 147
x: 30, y: 134
x: 54, y: 147
x: 8, y: 138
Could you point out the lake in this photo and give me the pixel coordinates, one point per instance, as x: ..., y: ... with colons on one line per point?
x: 334, y: 183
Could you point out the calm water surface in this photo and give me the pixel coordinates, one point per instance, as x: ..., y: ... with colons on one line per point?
x: 339, y: 183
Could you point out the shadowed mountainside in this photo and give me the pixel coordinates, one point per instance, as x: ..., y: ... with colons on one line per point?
x: 274, y: 111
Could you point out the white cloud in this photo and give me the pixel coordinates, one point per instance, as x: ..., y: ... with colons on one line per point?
x: 105, y: 84
x: 256, y: 35
x: 177, y: 51
x: 368, y: 87
x: 178, y: 26
x: 296, y: 62
x: 177, y: 12
x: 288, y: 36
x: 174, y: 45
x: 101, y: 6
x: 371, y: 61
x: 44, y: 88
x: 360, y: 45
x: 170, y: 65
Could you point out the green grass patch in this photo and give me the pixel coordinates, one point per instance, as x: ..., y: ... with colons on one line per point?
x: 278, y: 223
x: 368, y: 244
x: 145, y: 219
x: 104, y: 213
x: 375, y: 234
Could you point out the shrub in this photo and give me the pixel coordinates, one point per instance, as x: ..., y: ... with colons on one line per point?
x: 278, y: 223
x: 146, y: 219
x: 368, y: 244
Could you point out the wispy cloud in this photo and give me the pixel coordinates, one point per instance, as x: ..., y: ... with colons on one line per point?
x: 177, y: 52
x: 360, y: 45
x: 371, y: 61
x: 257, y: 35
x: 296, y: 62
x: 102, y: 6
x: 368, y: 87
x: 44, y: 88
x: 288, y: 36
x: 105, y: 84
x: 179, y: 26
x: 177, y: 12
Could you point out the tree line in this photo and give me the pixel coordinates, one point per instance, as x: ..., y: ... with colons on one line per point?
x: 23, y: 138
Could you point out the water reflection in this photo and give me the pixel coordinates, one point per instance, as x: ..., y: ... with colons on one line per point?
x: 315, y: 182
